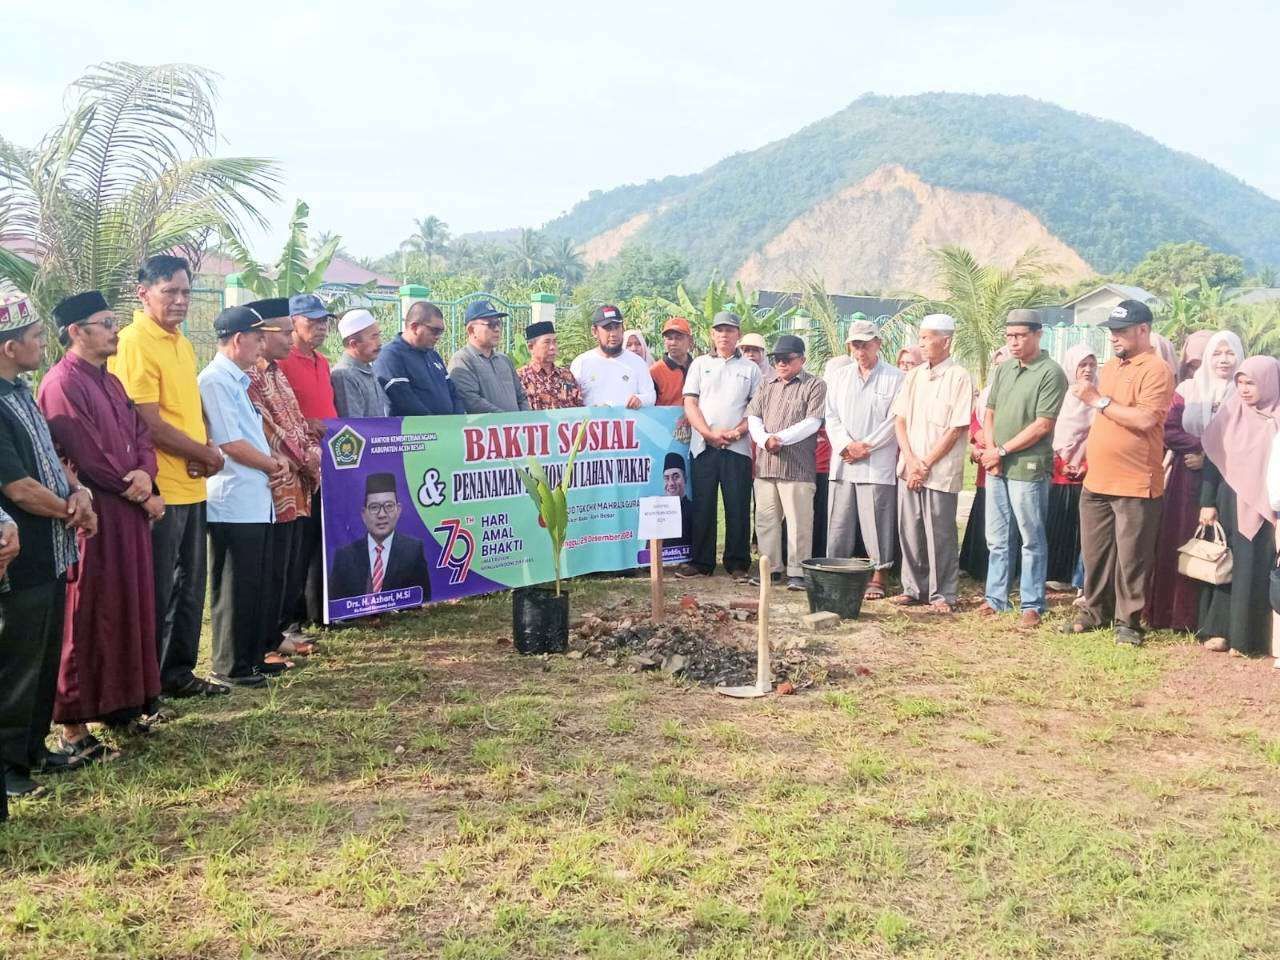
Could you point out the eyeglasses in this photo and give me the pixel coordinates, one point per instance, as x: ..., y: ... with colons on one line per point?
x: 110, y: 324
x: 491, y: 324
x: 382, y: 509
x: 781, y: 361
x: 436, y: 330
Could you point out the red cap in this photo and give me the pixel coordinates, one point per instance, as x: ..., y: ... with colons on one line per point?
x: 677, y: 323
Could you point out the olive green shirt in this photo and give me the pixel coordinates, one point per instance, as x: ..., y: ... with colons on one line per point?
x: 1020, y: 394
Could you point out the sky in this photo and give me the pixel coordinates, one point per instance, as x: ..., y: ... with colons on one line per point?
x: 499, y: 114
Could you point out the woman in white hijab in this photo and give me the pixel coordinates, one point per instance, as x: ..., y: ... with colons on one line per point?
x: 634, y: 341
x: 1207, y: 389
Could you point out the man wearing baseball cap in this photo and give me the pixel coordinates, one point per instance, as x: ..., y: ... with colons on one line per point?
x: 1124, y: 488
x: 716, y: 393
x: 547, y: 386
x: 1022, y: 407
x: 486, y: 379
x: 357, y: 391
x: 864, y: 453
x: 610, y: 376
x: 783, y: 418
x: 668, y: 373
x: 241, y: 507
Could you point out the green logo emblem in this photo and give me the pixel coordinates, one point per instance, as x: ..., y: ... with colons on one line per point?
x: 346, y: 447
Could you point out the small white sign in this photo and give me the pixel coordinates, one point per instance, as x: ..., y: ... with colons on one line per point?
x: 659, y: 518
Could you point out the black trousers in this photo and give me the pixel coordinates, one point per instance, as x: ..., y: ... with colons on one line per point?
x: 1118, y: 541
x: 30, y: 651
x: 309, y: 607
x: 181, y: 577
x: 244, y: 609
x: 729, y: 473
x: 288, y: 576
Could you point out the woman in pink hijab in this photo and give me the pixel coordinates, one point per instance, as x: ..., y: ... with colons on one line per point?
x: 1237, y: 445
x: 1062, y: 525
x: 1173, y: 601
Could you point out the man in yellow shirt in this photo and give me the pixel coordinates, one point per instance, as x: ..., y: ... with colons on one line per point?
x: 157, y: 366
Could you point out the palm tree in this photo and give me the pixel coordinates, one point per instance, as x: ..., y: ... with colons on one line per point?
x: 564, y: 260
x: 979, y: 297
x: 494, y: 261
x: 462, y: 255
x: 528, y: 254
x: 720, y: 296
x: 129, y: 173
x: 430, y: 239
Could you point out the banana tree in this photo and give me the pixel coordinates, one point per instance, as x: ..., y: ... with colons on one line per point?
x: 551, y: 501
x: 296, y: 271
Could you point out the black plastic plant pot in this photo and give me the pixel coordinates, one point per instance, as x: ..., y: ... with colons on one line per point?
x: 837, y: 585
x: 540, y: 620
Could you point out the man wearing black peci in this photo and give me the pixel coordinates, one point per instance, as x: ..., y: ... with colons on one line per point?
x: 383, y: 559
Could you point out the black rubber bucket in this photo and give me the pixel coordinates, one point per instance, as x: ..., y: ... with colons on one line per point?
x: 837, y: 584
x: 540, y: 620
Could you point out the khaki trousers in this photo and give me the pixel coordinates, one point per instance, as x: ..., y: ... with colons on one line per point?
x: 792, y: 500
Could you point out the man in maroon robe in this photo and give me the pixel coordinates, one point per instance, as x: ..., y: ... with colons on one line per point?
x: 109, y: 672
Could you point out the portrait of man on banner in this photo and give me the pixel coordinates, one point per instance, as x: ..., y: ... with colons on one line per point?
x: 675, y: 483
x: 383, y: 559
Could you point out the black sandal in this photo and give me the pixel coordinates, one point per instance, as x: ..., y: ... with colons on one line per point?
x: 88, y: 749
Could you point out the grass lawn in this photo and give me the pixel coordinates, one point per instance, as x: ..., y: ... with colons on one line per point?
x: 421, y: 791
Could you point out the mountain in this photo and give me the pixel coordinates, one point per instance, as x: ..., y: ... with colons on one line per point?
x: 860, y: 196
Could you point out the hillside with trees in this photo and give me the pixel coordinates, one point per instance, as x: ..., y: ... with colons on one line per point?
x: 1107, y: 191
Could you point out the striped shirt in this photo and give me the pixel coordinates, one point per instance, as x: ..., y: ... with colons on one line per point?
x: 781, y: 404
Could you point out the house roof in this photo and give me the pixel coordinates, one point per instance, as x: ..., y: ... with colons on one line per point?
x: 1125, y: 291
x: 845, y: 305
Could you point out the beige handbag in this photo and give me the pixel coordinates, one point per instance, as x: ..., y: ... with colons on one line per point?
x: 1206, y: 560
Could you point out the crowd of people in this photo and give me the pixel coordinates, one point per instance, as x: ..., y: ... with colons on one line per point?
x: 133, y: 486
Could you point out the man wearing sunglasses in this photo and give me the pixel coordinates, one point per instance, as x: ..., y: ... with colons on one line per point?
x: 412, y: 372
x: 486, y: 379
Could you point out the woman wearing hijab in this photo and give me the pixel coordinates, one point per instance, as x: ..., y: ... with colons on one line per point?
x: 973, y: 548
x: 634, y: 341
x: 909, y: 358
x: 1062, y: 528
x: 1213, y: 381
x: 1173, y: 601
x: 1237, y: 445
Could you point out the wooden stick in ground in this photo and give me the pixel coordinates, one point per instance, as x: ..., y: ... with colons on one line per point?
x: 764, y: 679
x: 655, y: 580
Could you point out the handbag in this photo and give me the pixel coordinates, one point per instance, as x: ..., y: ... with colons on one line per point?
x: 1208, y: 561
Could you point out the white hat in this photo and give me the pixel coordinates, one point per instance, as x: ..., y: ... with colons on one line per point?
x: 753, y: 340
x: 939, y: 322
x: 353, y: 321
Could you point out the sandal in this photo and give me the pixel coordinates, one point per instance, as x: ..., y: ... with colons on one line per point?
x: 276, y: 658
x: 906, y: 600
x: 296, y: 648
x: 88, y: 749
x: 875, y: 591
x: 942, y: 607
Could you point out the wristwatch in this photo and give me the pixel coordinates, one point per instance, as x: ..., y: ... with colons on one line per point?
x: 85, y: 489
x: 1102, y: 403
x: 1002, y: 451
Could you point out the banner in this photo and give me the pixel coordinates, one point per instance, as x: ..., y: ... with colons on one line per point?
x: 422, y: 509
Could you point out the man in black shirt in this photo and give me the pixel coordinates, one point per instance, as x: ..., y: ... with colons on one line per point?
x: 49, y: 508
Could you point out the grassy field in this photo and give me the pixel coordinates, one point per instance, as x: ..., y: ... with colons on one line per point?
x: 421, y: 791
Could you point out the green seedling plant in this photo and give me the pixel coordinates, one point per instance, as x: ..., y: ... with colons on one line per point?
x: 551, y: 501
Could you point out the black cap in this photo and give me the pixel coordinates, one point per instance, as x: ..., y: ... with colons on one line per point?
x: 80, y: 307
x: 273, y: 308
x: 787, y: 345
x: 1024, y: 318
x: 379, y: 483
x: 238, y: 320
x: 674, y: 461
x: 540, y: 329
x: 606, y: 313
x: 1127, y: 313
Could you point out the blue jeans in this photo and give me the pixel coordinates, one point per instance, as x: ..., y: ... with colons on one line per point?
x: 1027, y: 503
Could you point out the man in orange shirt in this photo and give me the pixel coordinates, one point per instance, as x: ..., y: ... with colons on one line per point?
x: 1124, y: 488
x: 669, y: 372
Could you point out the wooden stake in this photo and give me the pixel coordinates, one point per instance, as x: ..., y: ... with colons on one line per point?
x: 655, y: 580
x: 764, y: 676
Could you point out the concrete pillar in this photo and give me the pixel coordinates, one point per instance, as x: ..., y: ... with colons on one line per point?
x: 802, y: 326
x: 542, y: 306
x: 410, y: 294
x: 236, y: 293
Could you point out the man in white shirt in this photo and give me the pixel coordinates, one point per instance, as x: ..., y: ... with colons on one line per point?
x: 864, y: 453
x: 717, y: 389
x: 608, y: 375
x: 932, y: 412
